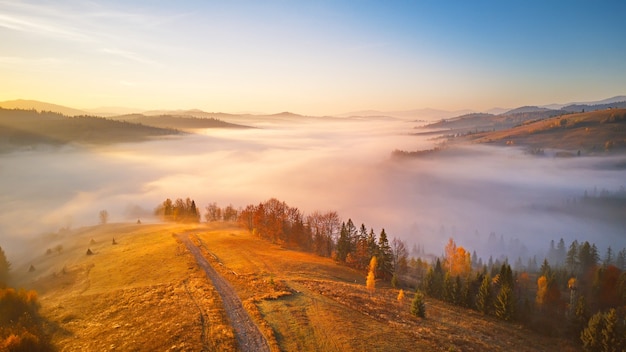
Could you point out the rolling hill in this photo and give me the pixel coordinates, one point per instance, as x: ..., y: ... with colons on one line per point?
x: 590, y: 133
x: 146, y: 292
x: 28, y: 128
x: 41, y: 107
x: 178, y: 122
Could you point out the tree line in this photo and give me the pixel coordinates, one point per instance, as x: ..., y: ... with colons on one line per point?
x: 577, y: 288
x: 325, y: 234
x: 179, y: 210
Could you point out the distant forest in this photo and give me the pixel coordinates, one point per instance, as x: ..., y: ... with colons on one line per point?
x: 30, y: 128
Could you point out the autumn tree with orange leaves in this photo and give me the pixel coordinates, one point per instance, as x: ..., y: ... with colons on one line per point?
x: 458, y: 261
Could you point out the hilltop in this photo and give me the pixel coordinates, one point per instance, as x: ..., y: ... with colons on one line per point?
x: 147, y: 293
x: 590, y: 132
x: 40, y: 106
x: 29, y: 128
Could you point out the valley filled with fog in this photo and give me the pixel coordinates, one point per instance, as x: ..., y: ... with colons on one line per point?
x: 466, y: 192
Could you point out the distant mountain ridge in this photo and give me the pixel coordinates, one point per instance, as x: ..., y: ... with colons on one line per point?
x: 481, y: 122
x: 41, y: 106
x: 526, y: 109
x: 414, y: 114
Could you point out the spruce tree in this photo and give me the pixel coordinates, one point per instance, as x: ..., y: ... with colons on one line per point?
x: 394, y: 280
x: 385, y: 257
x: 429, y: 283
x: 448, y: 288
x: 458, y: 291
x: 418, y: 307
x: 5, y: 266
x: 466, y: 295
x: 483, y: 298
x: 571, y: 259
x: 614, y: 332
x: 605, y: 332
x: 505, y: 303
x: 343, y: 244
x: 591, y: 336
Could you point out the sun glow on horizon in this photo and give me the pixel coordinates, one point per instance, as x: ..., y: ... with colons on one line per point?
x: 314, y: 59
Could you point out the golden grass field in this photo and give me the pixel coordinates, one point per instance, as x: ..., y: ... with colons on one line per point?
x: 147, y: 294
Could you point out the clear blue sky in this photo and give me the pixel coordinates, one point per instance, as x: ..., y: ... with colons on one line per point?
x: 316, y: 57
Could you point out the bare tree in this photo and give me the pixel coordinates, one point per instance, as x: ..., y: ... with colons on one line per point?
x: 104, y: 216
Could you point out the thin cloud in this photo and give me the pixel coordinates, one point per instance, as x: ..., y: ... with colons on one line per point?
x: 129, y: 55
x: 18, y: 22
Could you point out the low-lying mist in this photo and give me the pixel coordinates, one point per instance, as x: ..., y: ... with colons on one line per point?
x: 465, y: 192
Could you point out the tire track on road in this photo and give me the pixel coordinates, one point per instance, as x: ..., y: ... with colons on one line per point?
x: 248, y: 335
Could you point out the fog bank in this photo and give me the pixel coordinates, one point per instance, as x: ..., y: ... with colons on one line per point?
x: 466, y: 193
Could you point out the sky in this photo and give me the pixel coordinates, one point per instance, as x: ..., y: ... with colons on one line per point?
x: 314, y: 57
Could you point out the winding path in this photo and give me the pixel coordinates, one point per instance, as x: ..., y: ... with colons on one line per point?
x: 248, y: 335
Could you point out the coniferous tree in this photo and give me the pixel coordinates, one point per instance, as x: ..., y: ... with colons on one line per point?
x: 343, y: 244
x: 352, y: 234
x: 483, y: 298
x: 561, y: 253
x: 449, y: 293
x: 545, y: 269
x: 571, y: 259
x: 394, y: 280
x: 458, y: 291
x: 606, y: 331
x: 385, y: 257
x: 418, y: 307
x: 586, y: 257
x: 429, y: 285
x: 5, y: 267
x: 614, y: 333
x: 466, y: 295
x: 620, y: 260
x: 505, y: 303
x: 595, y: 255
x: 506, y: 276
x: 591, y: 336
x: 581, y: 314
x: 608, y: 257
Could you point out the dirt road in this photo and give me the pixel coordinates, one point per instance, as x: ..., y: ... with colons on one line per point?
x: 248, y: 335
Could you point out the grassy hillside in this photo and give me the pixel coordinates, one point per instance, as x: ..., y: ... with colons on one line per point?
x: 591, y: 132
x: 20, y: 128
x: 146, y: 293
x: 481, y: 122
x: 143, y: 294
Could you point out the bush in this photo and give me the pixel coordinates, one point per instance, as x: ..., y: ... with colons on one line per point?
x: 20, y: 323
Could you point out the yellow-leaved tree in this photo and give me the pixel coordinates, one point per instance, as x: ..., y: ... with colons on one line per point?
x: 401, y: 296
x: 370, y: 283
